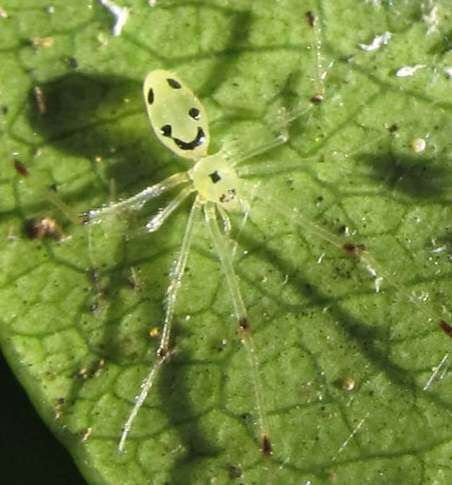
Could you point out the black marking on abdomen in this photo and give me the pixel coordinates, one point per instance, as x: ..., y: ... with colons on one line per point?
x: 150, y: 96
x: 191, y: 145
x: 166, y: 130
x: 173, y: 83
x: 194, y: 113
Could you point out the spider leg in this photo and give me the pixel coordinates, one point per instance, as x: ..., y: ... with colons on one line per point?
x: 359, y: 251
x: 236, y: 153
x: 163, y: 214
x: 137, y: 201
x: 222, y: 246
x: 164, y: 352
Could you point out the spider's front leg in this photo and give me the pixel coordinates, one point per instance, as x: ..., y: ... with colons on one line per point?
x: 137, y: 201
x: 223, y: 249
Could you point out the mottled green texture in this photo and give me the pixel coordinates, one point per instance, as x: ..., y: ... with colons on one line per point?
x: 316, y: 316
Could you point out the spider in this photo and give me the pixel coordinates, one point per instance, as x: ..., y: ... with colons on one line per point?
x: 179, y: 120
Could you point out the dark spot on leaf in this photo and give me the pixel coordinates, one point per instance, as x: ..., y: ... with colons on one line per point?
x: 354, y: 249
x: 310, y: 18
x: 21, y: 169
x: 445, y: 327
x: 266, y: 446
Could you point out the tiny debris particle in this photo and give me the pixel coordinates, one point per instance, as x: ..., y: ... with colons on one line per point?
x: 21, y: 168
x: 445, y: 327
x: 377, y: 42
x: 316, y: 99
x: 310, y: 18
x: 448, y: 72
x: 418, y: 145
x: 408, y: 71
x: 431, y: 19
x: 41, y: 228
x: 87, y: 434
x: 44, y: 42
x: 154, y: 332
x: 121, y: 15
x: 348, y: 384
x: 40, y: 100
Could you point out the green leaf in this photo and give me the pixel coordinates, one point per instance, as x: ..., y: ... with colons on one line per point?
x: 356, y: 381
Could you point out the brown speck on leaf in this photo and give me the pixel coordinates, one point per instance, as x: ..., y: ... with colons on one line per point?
x: 244, y: 325
x: 393, y: 128
x: 21, y: 168
x: 445, y: 327
x: 266, y: 446
x: 42, y: 228
x: 310, y: 18
x: 40, y: 100
x: 317, y: 99
x: 354, y: 249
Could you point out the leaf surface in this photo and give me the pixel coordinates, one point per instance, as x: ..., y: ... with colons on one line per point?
x: 356, y: 381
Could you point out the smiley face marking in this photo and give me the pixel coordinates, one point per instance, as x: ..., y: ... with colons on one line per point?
x: 177, y: 116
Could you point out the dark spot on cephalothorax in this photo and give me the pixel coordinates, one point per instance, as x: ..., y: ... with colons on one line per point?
x: 228, y: 196
x: 166, y: 130
x: 445, y: 327
x: 173, y: 83
x: 310, y: 18
x: 354, y: 249
x: 266, y: 446
x: 198, y: 140
x: 215, y: 177
x: 150, y: 96
x: 244, y: 325
x: 194, y: 113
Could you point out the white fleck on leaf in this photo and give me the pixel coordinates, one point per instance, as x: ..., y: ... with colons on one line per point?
x: 377, y: 42
x: 121, y: 15
x: 408, y: 71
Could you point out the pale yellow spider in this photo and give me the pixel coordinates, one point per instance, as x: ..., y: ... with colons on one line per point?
x: 179, y: 121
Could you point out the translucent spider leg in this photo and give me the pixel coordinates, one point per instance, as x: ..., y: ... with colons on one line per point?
x: 372, y: 266
x: 234, y: 151
x: 222, y: 246
x: 137, y: 201
x: 163, y: 214
x: 164, y: 351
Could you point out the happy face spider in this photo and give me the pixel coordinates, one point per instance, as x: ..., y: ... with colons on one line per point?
x: 179, y: 121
